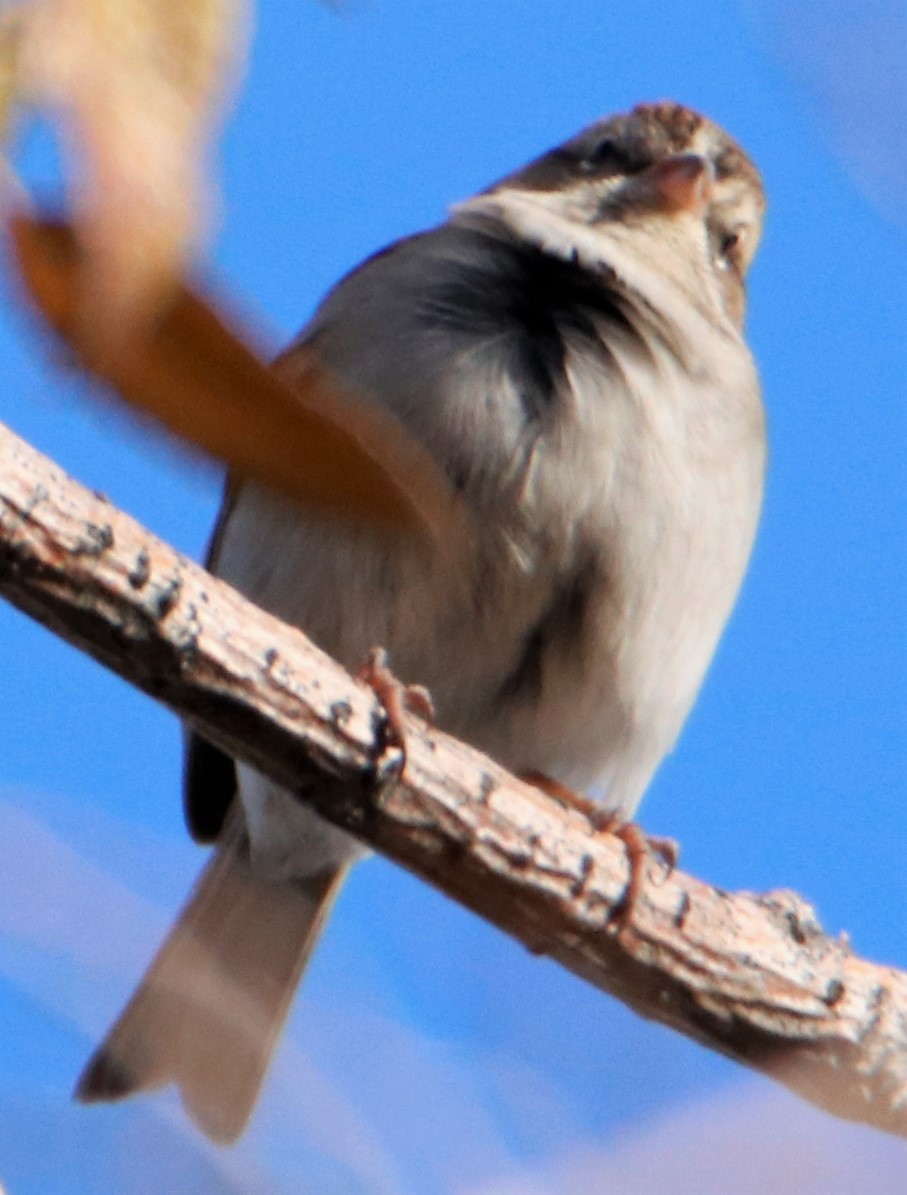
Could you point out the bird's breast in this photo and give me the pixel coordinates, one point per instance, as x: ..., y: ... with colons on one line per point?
x: 653, y: 478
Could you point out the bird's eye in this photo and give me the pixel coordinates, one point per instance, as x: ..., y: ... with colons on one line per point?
x: 730, y: 251
x: 603, y: 153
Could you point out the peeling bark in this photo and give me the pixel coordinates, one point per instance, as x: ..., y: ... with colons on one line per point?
x: 752, y: 976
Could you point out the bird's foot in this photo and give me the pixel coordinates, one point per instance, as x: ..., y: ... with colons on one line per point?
x: 640, y: 847
x: 397, y: 698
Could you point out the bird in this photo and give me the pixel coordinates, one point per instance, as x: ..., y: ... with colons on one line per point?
x: 568, y: 349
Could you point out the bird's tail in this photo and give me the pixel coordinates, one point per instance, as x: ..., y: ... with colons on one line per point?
x: 208, y: 1012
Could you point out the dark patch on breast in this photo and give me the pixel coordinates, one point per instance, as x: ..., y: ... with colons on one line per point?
x: 530, y: 305
x: 562, y: 629
x: 525, y: 681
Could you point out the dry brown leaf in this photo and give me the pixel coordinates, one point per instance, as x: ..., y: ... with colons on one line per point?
x: 136, y: 86
x: 11, y: 27
x: 307, y: 435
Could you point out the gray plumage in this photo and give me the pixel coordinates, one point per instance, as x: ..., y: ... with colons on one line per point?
x: 568, y: 348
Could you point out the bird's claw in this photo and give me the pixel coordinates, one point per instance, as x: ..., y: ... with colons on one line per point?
x: 640, y: 847
x: 397, y: 698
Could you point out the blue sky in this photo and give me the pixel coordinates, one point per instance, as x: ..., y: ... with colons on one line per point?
x: 428, y: 1053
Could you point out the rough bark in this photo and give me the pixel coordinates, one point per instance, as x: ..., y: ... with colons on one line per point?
x: 753, y: 976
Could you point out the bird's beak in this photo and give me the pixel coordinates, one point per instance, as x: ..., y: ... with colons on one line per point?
x: 681, y: 183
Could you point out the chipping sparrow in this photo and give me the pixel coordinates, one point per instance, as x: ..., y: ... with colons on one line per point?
x: 568, y: 348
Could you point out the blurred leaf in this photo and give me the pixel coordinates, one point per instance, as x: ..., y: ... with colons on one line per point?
x: 308, y: 435
x: 11, y: 21
x: 848, y: 59
x: 135, y: 86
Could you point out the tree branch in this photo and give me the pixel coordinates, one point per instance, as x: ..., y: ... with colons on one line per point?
x: 752, y: 976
